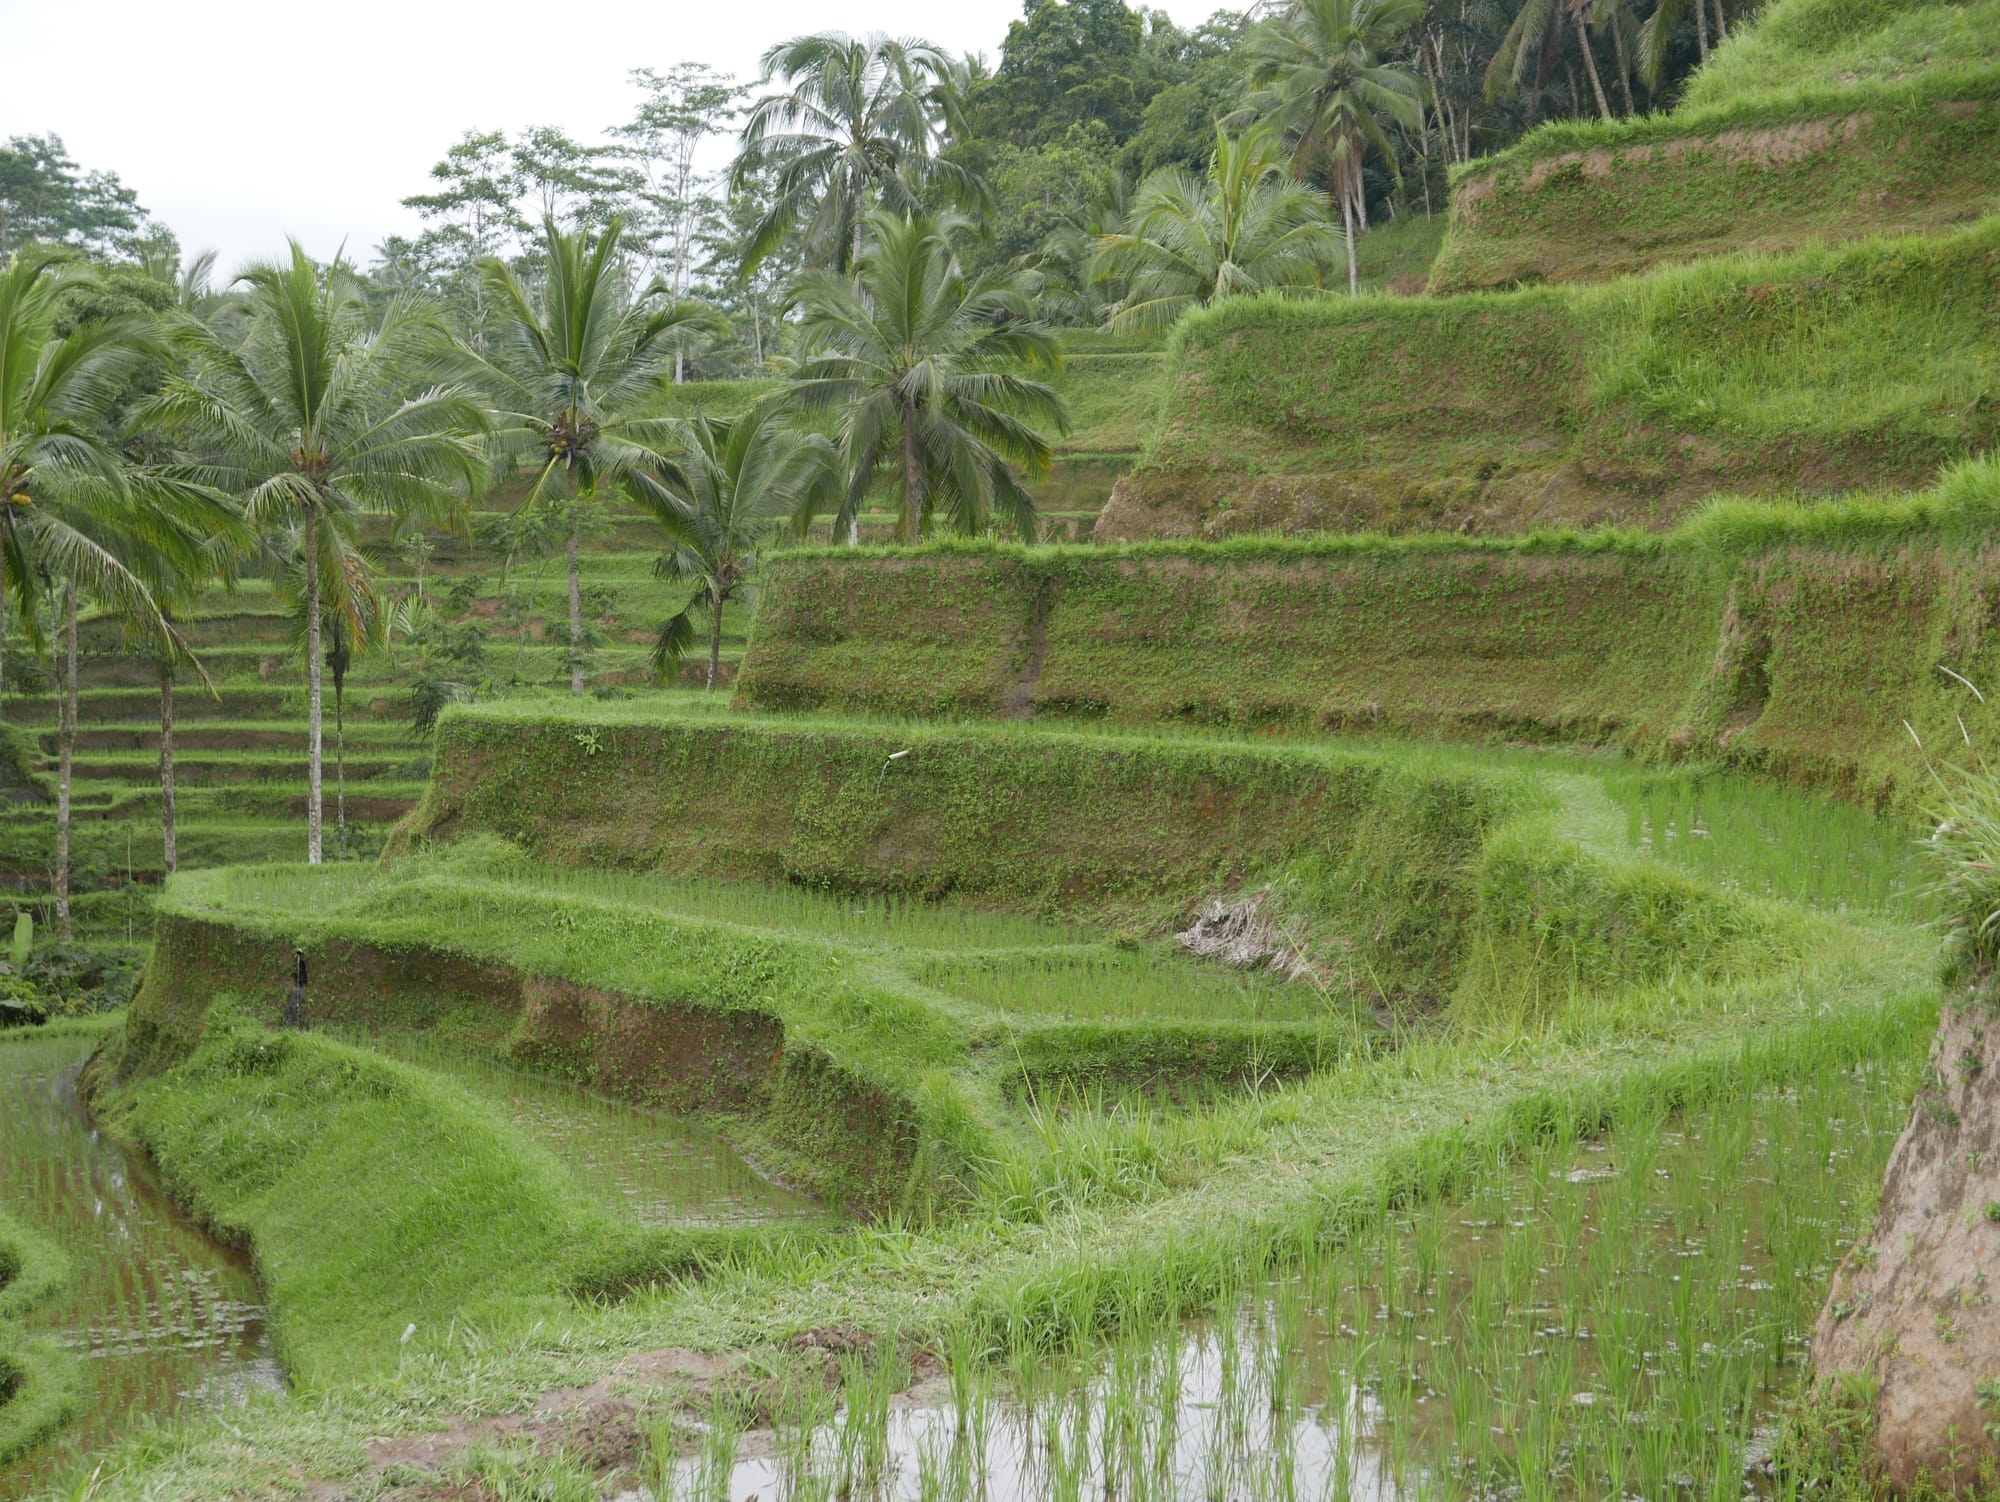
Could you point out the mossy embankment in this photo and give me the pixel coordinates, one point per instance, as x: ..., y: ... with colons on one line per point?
x: 1805, y: 643
x: 1819, y: 120
x: 1423, y: 882
x: 39, y: 1381
x: 1827, y: 370
x: 1589, y: 203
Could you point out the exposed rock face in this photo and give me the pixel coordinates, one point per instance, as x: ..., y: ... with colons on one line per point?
x: 1914, y: 1302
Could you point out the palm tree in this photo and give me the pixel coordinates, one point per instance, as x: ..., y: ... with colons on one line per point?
x: 904, y: 353
x: 1068, y: 292
x: 1536, y: 35
x: 311, y: 420
x: 75, y: 514
x: 60, y: 464
x: 857, y: 123
x: 1316, y: 72
x: 1190, y: 241
x: 351, y: 620
x: 574, y: 362
x: 204, y: 562
x: 735, y: 481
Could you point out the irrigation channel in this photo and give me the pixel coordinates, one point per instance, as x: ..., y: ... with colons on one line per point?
x: 162, y: 1315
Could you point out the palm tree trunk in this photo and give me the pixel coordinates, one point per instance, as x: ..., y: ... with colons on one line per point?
x: 1721, y: 23
x: 340, y: 763
x: 315, y: 727
x: 1590, y: 62
x: 1347, y: 223
x: 714, y: 644
x: 1624, y: 67
x: 913, y: 476
x: 65, y: 754
x: 168, y: 840
x: 1701, y: 29
x: 575, y: 606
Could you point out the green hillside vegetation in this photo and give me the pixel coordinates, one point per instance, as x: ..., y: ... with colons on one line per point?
x: 1809, y: 45
x: 1054, y: 1224
x: 1111, y: 386
x: 1822, y: 120
x: 1829, y: 369
x: 39, y: 1380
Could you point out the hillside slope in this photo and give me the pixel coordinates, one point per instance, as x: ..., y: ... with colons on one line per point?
x: 1803, y: 643
x: 1823, y: 120
x: 1825, y: 370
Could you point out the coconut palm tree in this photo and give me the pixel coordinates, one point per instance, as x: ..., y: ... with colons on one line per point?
x: 315, y: 422
x: 204, y: 562
x: 76, y: 516
x: 1316, y: 72
x: 352, y: 620
x: 735, y: 481
x: 905, y: 353
x: 572, y: 366
x: 62, y: 472
x: 857, y: 124
x: 1535, y: 36
x: 1190, y: 241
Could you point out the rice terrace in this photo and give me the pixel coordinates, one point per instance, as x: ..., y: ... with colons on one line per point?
x: 1216, y: 759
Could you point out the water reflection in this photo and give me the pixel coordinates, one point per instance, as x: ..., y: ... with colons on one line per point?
x: 161, y: 1315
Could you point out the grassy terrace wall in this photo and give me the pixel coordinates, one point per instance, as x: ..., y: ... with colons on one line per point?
x: 1442, y: 882
x: 1585, y: 204
x: 1822, y: 371
x: 1792, y: 640
x: 839, y: 1085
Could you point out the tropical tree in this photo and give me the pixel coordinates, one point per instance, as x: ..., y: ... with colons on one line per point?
x: 315, y: 421
x: 572, y: 367
x: 1535, y: 36
x: 352, y: 621
x: 856, y: 124
x: 735, y: 481
x: 76, y: 516
x: 209, y: 549
x: 1190, y: 241
x: 905, y: 352
x: 1316, y: 73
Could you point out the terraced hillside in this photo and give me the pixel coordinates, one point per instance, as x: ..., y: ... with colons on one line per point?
x: 239, y: 758
x: 1827, y: 120
x: 1791, y: 290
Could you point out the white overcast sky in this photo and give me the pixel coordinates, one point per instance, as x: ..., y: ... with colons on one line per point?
x: 239, y: 122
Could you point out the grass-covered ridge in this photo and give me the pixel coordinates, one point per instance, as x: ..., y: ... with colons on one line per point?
x: 1827, y: 370
x: 39, y: 1380
x: 1795, y: 640
x: 1819, y: 121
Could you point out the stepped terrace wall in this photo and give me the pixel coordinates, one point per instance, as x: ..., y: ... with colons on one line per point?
x: 1826, y: 370
x: 1791, y: 640
x: 1588, y: 203
x: 1422, y: 879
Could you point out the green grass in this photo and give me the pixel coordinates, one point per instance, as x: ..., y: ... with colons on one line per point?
x: 39, y: 1381
x: 1825, y: 370
x: 1620, y: 1312
x: 1790, y: 639
x: 379, y: 1196
x: 1808, y: 44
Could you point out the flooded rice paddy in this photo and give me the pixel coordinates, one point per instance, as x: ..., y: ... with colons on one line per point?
x: 1601, y: 1320
x: 161, y: 1316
